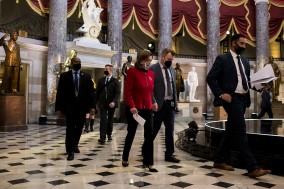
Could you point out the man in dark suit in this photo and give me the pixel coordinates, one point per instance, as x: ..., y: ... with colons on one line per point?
x: 229, y: 81
x: 74, y: 98
x: 165, y: 98
x: 108, y: 91
x: 265, y: 104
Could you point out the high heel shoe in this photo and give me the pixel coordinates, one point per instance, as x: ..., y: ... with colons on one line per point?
x: 124, y: 163
x: 151, y: 168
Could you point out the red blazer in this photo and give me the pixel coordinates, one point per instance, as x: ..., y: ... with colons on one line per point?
x: 138, y: 88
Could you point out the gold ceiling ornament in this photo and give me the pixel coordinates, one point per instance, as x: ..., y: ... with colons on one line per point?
x: 17, y: 1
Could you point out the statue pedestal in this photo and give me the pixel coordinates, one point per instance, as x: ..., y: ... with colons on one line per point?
x: 195, y: 110
x: 12, y: 112
x: 220, y: 113
x: 92, y: 53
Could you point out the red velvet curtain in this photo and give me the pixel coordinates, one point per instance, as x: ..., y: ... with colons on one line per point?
x: 235, y: 14
x: 276, y: 20
x: 188, y: 16
x: 140, y: 11
x: 103, y: 4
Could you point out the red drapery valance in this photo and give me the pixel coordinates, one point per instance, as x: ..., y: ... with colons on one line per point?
x: 188, y: 16
x: 140, y: 11
x: 42, y: 6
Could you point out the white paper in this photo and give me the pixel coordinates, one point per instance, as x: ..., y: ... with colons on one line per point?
x: 264, y: 75
x: 139, y: 119
x: 258, y: 86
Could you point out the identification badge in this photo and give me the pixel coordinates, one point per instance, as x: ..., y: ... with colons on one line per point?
x: 172, y: 104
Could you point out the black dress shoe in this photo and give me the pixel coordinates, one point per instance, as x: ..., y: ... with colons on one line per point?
x: 102, y: 141
x: 151, y: 168
x: 70, y: 156
x: 76, y: 150
x: 109, y: 137
x: 86, y: 130
x: 125, y: 163
x: 172, y: 159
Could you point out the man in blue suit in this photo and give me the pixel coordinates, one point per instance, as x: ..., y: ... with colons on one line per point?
x: 229, y: 81
x: 165, y: 98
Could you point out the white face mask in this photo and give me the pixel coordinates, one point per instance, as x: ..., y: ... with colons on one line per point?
x: 147, y: 66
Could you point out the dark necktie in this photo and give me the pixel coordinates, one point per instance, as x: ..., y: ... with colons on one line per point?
x: 76, y: 81
x: 107, y: 80
x: 244, y: 80
x: 170, y: 91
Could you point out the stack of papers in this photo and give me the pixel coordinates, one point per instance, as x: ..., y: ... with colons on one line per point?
x: 139, y: 119
x: 264, y: 75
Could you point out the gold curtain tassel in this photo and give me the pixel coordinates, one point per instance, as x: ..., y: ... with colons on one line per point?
x: 79, y: 14
x: 133, y: 25
x: 17, y: 1
x: 183, y: 32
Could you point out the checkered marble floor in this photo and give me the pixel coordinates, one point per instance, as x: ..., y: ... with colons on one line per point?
x: 35, y: 159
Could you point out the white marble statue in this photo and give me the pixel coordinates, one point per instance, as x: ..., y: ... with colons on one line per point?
x: 91, y: 17
x: 192, y: 81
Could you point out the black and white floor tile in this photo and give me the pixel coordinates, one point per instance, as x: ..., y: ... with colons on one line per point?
x: 36, y: 159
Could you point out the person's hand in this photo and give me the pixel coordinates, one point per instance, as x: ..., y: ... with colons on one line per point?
x: 58, y: 114
x: 155, y: 107
x: 134, y: 111
x: 227, y: 97
x: 176, y: 109
x: 6, y: 35
x: 112, y: 104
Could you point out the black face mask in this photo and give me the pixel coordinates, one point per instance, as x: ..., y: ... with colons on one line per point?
x: 168, y: 64
x: 239, y: 50
x: 106, y: 72
x: 76, y: 67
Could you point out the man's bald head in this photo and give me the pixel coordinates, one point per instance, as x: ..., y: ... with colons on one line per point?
x: 76, y: 63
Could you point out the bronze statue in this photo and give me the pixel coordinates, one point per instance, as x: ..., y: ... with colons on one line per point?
x: 126, y: 66
x: 11, y: 78
x: 179, y: 80
x: 277, y: 74
x: 67, y: 65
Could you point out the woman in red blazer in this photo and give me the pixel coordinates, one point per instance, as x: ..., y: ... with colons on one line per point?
x: 138, y: 88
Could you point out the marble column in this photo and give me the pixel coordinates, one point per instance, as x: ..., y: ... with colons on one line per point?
x: 262, y: 33
x: 213, y: 44
x: 165, y: 25
x: 115, y: 33
x: 56, y: 49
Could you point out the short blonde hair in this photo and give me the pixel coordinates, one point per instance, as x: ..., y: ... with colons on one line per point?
x: 168, y: 50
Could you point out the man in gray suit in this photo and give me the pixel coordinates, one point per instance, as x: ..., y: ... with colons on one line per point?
x: 165, y: 98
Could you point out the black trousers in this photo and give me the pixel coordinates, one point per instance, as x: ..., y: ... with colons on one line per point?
x: 74, y: 125
x: 147, y: 149
x: 264, y: 110
x: 167, y: 115
x: 106, y: 123
x: 235, y: 132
